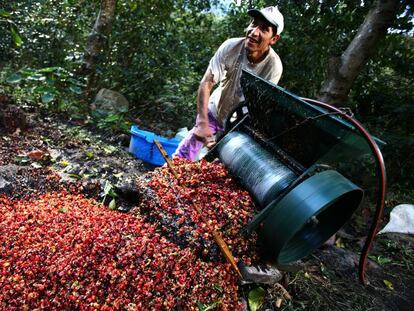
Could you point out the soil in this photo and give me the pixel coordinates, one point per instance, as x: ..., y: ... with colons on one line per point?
x: 37, y: 143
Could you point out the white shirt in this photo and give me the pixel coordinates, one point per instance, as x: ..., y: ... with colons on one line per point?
x: 226, y: 66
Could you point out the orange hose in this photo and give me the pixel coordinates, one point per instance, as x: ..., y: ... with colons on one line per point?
x: 382, y: 185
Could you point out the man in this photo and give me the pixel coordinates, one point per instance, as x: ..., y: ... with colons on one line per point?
x: 253, y: 53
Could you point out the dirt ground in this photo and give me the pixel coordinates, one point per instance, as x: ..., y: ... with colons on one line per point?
x: 80, y: 155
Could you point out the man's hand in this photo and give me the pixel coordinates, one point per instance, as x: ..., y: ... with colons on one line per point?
x: 203, y: 133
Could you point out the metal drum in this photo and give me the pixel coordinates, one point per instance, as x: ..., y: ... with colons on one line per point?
x: 299, y: 219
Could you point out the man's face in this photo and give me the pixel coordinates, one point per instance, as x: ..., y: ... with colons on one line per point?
x: 259, y: 36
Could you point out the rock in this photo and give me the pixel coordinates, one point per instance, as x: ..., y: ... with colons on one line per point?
x: 401, y: 220
x: 261, y: 274
x: 8, y: 175
x: 110, y: 101
x: 342, y: 261
x: 5, y: 186
x: 128, y: 190
x: 8, y: 171
x: 123, y: 140
x: 14, y: 119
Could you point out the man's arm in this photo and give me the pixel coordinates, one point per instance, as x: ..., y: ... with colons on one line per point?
x: 202, y: 130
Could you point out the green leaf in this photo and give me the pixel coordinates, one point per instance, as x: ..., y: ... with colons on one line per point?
x: 3, y: 13
x: 73, y: 81
x: 37, y: 77
x: 47, y: 98
x: 75, y: 89
x: 133, y: 6
x: 112, y: 204
x: 89, y: 154
x: 112, y: 194
x: 49, y: 69
x: 75, y: 284
x: 381, y: 259
x: 75, y: 176
x: 107, y: 188
x: 22, y: 159
x: 112, y: 118
x: 14, y: 78
x: 15, y: 35
x: 256, y: 298
x: 27, y: 72
x: 206, y: 307
x: 63, y: 210
x: 44, y: 89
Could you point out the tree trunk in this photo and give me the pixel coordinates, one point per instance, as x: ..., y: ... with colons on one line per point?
x: 97, y: 41
x: 343, y: 70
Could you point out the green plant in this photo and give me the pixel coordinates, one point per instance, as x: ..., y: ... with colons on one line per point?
x: 14, y: 32
x: 109, y: 194
x: 50, y: 86
x: 116, y: 122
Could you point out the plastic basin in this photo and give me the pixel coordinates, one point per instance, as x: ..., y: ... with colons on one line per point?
x: 143, y: 147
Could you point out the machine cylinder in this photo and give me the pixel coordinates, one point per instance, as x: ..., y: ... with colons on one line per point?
x: 264, y: 176
x: 298, y: 221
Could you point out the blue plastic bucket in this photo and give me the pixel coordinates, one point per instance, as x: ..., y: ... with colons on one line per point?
x: 143, y: 147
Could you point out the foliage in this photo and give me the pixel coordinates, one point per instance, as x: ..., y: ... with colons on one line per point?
x: 45, y: 85
x: 384, y: 101
x: 41, y: 68
x: 52, y: 31
x: 157, y: 58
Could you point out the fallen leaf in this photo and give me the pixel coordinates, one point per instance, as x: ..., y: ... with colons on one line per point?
x: 278, y: 302
x: 36, y: 165
x: 389, y: 284
x: 285, y: 293
x: 89, y: 154
x: 112, y: 204
x: 256, y: 297
x: 75, y: 176
x: 119, y: 175
x: 37, y: 155
x: 339, y: 243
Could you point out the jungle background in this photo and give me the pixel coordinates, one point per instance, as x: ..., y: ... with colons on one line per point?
x: 56, y: 55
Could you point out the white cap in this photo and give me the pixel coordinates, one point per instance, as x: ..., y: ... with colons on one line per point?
x: 272, y: 15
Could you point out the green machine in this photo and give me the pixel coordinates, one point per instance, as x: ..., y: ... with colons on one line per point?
x: 306, y: 164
